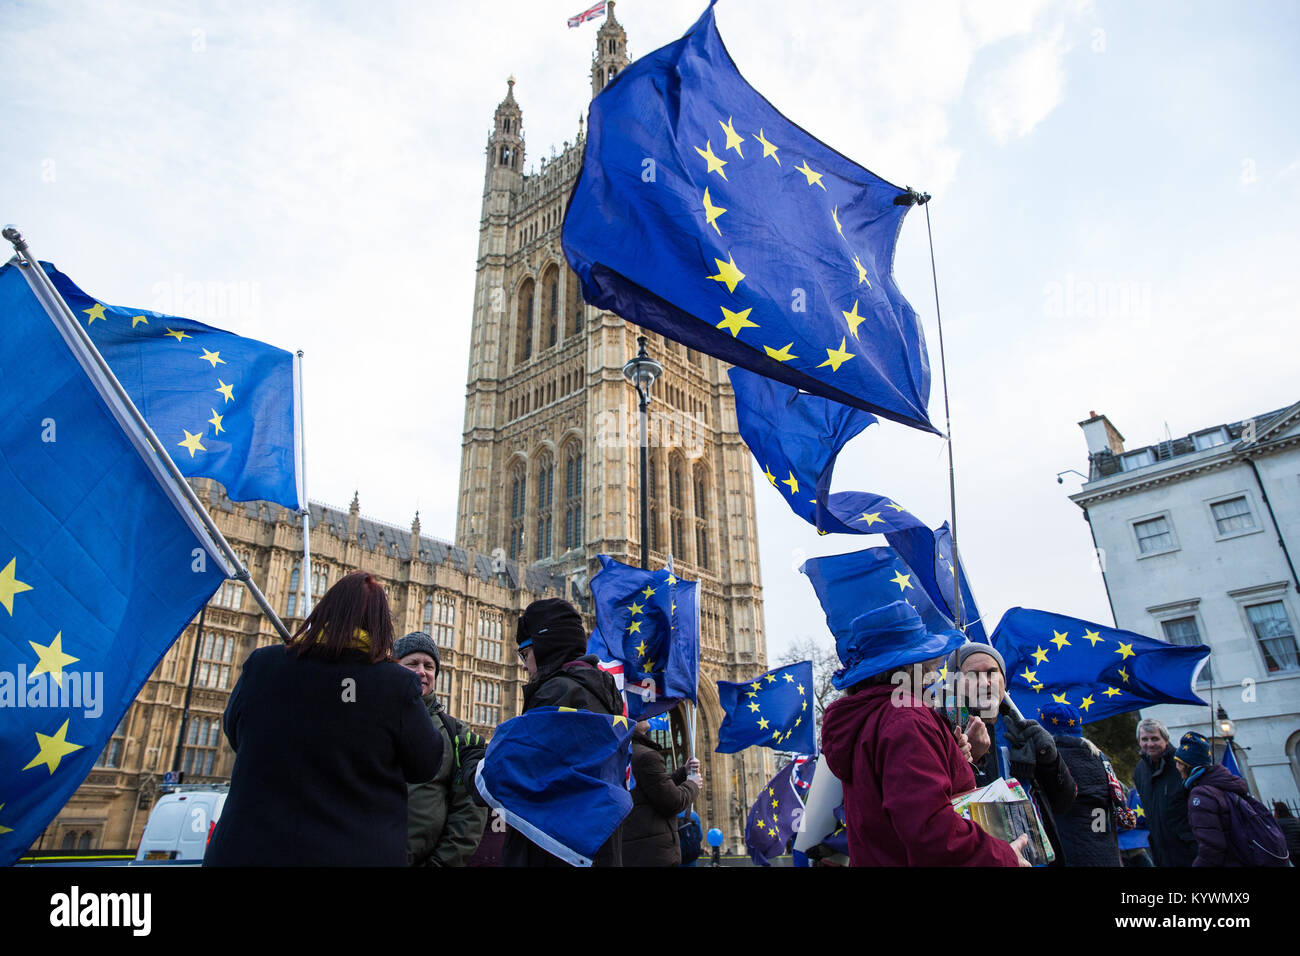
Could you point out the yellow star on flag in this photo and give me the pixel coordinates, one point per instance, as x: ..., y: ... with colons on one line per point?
x: 767, y: 473
x: 96, y: 311
x: 1094, y: 637
x: 762, y: 723
x: 213, y: 357
x: 895, y: 507
x: 649, y: 592
x: 227, y: 390
x: 620, y: 721
x: 801, y: 691
x: 776, y: 735
x: 734, y: 139
x: 10, y: 586
x: 792, y: 482
x: 1125, y: 651
x: 1113, y: 691
x: 728, y: 273
x: 750, y: 693
x: 712, y: 212
x: 1140, y: 810
x: 177, y: 334
x: 1060, y: 699
x: 733, y: 322
x: 715, y: 164
x: 192, y: 442
x: 810, y: 175
x: 1029, y: 676
x: 1059, y: 640
x: 768, y: 148
x: 634, y: 627
x: 215, y: 422
x: 902, y: 580
x: 1123, y: 675
x: 782, y: 354
x: 854, y: 319
x: 640, y: 648
x: 51, y: 659
x: 837, y: 357
x: 771, y: 679
x: 862, y: 272
x: 757, y: 685
x: 789, y: 678
x: 671, y: 579
x: 1086, y: 703
x: 871, y: 518
x: 137, y: 319
x: 835, y: 217
x: 52, y: 749
x: 1040, y: 656
x: 3, y: 829
x: 753, y: 706
x: 636, y: 608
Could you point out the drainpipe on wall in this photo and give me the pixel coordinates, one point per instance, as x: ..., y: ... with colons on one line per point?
x: 1281, y: 543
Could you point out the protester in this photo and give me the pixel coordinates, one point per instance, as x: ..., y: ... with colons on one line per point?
x: 1231, y: 827
x: 1031, y: 755
x: 1163, y: 797
x: 1290, y: 828
x: 1089, y: 829
x: 897, y: 758
x: 327, y: 733
x: 552, y: 646
x: 650, y: 830
x: 444, y: 825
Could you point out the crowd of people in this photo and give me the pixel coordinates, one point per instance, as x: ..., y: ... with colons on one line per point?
x: 344, y: 756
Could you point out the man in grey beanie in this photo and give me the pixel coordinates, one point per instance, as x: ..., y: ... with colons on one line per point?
x: 444, y: 825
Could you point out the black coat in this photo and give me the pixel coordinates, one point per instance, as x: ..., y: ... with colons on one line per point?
x: 1164, y: 803
x: 323, y: 753
x: 1083, y: 842
x: 650, y: 830
x: 581, y: 684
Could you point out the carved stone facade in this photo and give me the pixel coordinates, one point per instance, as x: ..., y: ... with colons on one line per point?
x: 550, y: 455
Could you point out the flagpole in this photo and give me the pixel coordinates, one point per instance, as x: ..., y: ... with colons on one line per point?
x: 300, y: 462
x: 913, y: 197
x: 141, y: 434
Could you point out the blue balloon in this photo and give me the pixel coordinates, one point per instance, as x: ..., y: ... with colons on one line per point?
x: 715, y: 836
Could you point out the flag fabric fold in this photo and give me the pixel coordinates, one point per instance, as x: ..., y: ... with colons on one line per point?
x: 930, y: 554
x: 560, y: 777
x: 705, y: 215
x: 772, y: 710
x: 778, y: 812
x: 222, y: 405
x: 100, y: 570
x: 1101, y: 671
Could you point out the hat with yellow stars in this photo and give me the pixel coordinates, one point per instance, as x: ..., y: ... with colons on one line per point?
x: 1061, y: 720
x: 1194, y: 750
x: 886, y: 638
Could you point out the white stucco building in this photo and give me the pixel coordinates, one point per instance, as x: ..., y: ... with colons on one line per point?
x: 1199, y: 539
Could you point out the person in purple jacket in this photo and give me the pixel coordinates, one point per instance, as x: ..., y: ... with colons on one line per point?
x: 1208, y: 785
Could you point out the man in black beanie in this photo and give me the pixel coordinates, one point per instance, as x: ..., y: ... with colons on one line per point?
x: 552, y: 646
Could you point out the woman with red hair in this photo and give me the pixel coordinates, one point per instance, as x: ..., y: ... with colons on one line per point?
x: 327, y: 733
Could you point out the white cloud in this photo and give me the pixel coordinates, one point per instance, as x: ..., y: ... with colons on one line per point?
x: 1016, y: 97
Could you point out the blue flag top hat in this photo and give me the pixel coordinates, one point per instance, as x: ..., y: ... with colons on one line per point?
x: 885, y: 638
x: 1194, y: 750
x: 1061, y: 720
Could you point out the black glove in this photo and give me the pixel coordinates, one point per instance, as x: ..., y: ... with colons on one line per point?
x: 470, y: 748
x: 1030, y: 742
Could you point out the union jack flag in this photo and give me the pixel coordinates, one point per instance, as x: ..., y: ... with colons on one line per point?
x: 590, y: 13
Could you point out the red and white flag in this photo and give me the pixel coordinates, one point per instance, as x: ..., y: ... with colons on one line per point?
x: 589, y: 14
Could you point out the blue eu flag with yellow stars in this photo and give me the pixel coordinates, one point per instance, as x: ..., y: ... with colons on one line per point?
x: 222, y: 405
x: 775, y: 815
x: 772, y: 710
x: 1101, y: 671
x: 796, y: 437
x: 849, y: 585
x: 649, y: 620
x: 705, y: 215
x: 559, y: 776
x: 930, y: 555
x: 101, y: 567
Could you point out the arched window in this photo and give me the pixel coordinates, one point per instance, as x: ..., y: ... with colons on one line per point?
x: 573, y: 303
x: 702, y: 518
x: 675, y: 504
x: 652, y: 493
x: 545, y: 500
x: 551, y: 298
x: 524, y: 342
x: 518, y: 503
x: 572, y: 495
x: 291, y: 607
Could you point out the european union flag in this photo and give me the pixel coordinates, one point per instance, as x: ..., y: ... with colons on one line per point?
x: 222, y: 405
x: 774, y: 817
x: 1140, y: 836
x: 929, y: 554
x: 559, y: 776
x: 1229, y: 760
x: 849, y: 585
x: 773, y: 710
x: 101, y: 567
x: 649, y: 620
x: 1100, y: 670
x: 796, y: 438
x: 769, y: 249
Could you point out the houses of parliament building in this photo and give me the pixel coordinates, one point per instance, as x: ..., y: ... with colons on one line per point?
x: 548, y: 481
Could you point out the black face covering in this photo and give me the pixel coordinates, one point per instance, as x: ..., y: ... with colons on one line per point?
x: 555, y: 628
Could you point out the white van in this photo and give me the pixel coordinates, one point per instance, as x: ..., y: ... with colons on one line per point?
x: 181, y: 824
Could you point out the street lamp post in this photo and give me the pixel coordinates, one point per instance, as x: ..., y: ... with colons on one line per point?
x: 641, y: 371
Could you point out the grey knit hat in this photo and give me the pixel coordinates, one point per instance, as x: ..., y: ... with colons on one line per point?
x: 414, y: 643
x: 958, y: 657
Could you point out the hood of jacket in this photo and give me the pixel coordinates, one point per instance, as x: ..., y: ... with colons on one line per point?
x: 1219, y: 776
x: 845, y: 722
x: 598, y: 684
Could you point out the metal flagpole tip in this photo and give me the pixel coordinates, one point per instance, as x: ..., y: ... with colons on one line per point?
x: 15, y: 237
x: 912, y: 197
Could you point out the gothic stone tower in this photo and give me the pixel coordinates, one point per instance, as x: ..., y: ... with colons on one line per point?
x: 550, y: 453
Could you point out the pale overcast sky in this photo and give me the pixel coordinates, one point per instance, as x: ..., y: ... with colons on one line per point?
x: 1116, y: 188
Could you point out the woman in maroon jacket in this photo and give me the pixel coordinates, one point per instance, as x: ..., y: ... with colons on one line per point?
x: 898, y: 760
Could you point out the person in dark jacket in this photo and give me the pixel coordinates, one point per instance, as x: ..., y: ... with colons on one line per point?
x: 1208, y: 785
x: 444, y: 824
x: 1163, y: 798
x: 1032, y: 757
x: 1290, y: 828
x: 897, y: 758
x: 552, y: 646
x: 1087, y: 830
x: 327, y: 733
x: 650, y: 830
